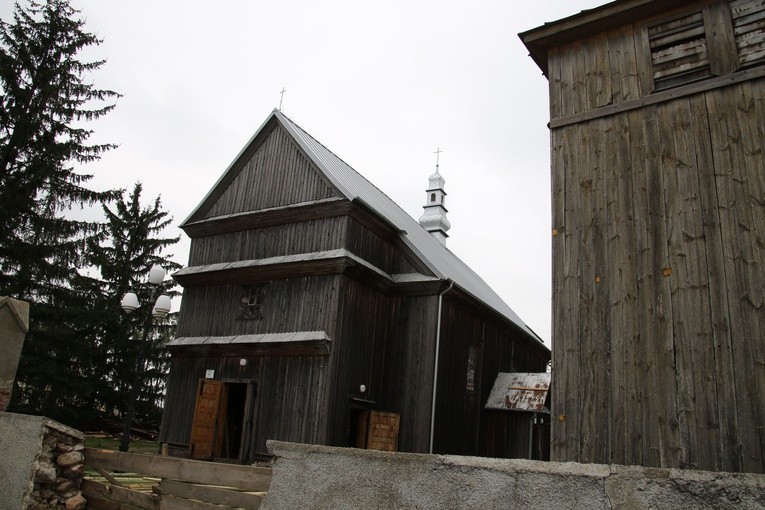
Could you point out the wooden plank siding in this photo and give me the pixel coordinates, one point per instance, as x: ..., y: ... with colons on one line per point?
x: 304, y: 237
x: 277, y: 174
x: 358, y: 355
x: 291, y: 404
x: 185, y: 374
x: 298, y: 304
x: 376, y: 249
x: 659, y: 244
x: 288, y: 402
x: 667, y: 356
x: 615, y: 65
x: 462, y: 427
x: 409, y: 368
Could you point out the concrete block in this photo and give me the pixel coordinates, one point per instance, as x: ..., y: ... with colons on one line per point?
x: 20, y: 444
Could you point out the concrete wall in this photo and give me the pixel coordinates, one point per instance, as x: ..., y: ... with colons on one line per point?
x: 14, y: 324
x: 310, y: 476
x: 41, y: 463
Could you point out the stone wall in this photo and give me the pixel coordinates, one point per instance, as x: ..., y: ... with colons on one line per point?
x: 42, y: 464
x: 309, y: 476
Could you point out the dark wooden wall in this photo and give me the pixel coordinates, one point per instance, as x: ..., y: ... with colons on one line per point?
x: 288, y: 405
x: 409, y: 368
x: 298, y: 304
x: 375, y: 248
x: 358, y: 354
x: 277, y: 174
x: 460, y: 415
x: 658, y: 259
x: 303, y: 237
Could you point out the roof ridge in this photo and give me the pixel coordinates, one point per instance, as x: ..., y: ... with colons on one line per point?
x: 301, y: 128
x: 298, y: 126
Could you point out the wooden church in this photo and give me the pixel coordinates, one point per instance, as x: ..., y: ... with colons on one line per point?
x: 657, y: 121
x: 316, y: 310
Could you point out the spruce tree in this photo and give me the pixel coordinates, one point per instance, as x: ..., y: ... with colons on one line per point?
x: 133, y: 245
x: 46, y: 101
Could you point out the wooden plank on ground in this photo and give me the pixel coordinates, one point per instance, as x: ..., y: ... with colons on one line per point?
x: 119, y: 496
x: 209, y: 494
x: 173, y: 503
x: 102, y: 503
x: 193, y: 471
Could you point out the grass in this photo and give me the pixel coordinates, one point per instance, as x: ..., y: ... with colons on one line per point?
x: 132, y: 481
x: 110, y: 443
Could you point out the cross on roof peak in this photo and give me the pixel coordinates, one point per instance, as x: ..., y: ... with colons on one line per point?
x: 281, y: 99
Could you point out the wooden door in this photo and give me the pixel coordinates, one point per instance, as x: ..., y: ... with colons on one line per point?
x: 209, y: 415
x: 383, y: 431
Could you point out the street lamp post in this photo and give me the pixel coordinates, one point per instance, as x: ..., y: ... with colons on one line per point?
x: 161, y: 309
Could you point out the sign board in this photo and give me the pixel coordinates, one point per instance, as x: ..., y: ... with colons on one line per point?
x: 209, y: 374
x: 519, y: 392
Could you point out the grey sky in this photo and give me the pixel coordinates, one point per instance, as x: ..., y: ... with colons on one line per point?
x: 382, y: 85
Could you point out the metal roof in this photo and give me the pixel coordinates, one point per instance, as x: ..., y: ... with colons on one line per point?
x: 437, y: 257
x: 521, y: 391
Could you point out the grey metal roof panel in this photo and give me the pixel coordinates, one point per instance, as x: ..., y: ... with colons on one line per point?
x: 437, y: 257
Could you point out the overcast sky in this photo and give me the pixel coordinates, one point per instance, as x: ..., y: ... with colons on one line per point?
x: 381, y: 84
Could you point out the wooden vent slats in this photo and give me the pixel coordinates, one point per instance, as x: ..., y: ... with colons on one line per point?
x: 749, y: 29
x: 679, y: 51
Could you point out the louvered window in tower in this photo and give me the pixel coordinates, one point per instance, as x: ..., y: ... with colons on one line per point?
x: 749, y: 29
x: 679, y: 51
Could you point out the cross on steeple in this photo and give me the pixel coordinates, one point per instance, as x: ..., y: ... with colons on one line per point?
x: 282, y: 98
x: 438, y: 154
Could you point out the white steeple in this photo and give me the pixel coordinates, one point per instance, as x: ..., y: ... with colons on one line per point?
x: 434, y: 218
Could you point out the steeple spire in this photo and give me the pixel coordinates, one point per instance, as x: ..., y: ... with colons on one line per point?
x: 434, y: 218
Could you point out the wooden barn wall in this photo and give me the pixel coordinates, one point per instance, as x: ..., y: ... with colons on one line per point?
x: 373, y: 248
x: 658, y: 271
x: 358, y: 354
x: 459, y: 410
x: 289, y: 403
x: 408, y: 385
x: 297, y: 304
x: 303, y: 237
x: 277, y: 174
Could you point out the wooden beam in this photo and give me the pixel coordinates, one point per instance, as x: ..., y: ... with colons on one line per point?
x: 256, y: 272
x: 95, y: 491
x: 213, y: 495
x: 296, y: 213
x: 193, y: 471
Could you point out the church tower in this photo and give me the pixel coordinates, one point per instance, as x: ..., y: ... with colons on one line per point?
x: 434, y: 218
